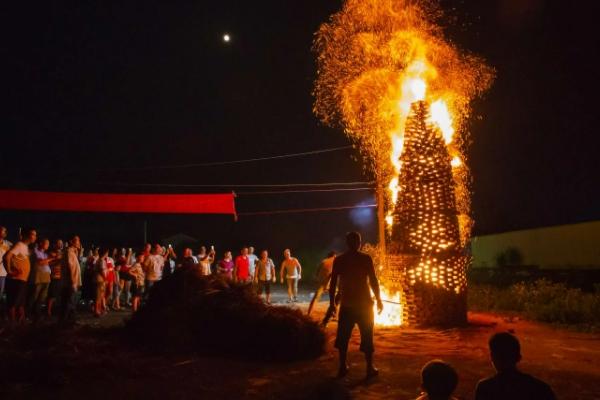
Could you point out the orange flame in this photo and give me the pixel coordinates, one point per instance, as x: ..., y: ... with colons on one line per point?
x: 377, y: 57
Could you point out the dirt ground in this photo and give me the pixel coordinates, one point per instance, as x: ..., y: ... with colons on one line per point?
x: 97, y: 368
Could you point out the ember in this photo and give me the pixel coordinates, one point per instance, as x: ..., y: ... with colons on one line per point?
x: 402, y: 94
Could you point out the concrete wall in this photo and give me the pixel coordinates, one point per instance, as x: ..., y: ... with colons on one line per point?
x: 576, y: 245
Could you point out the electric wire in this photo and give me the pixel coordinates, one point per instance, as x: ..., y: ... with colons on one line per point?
x: 230, y: 162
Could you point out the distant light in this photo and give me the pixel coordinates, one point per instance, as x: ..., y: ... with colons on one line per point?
x: 226, y: 38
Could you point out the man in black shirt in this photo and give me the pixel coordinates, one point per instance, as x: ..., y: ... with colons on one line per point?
x: 356, y: 273
x: 509, y: 382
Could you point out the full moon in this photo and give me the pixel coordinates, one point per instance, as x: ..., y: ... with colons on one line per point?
x: 226, y: 37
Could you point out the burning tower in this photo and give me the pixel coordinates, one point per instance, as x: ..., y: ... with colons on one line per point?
x: 402, y: 92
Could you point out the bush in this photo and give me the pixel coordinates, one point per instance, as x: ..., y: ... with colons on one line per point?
x: 188, y: 312
x: 541, y: 301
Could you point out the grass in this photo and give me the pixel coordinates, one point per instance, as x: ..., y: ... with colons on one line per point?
x: 542, y: 301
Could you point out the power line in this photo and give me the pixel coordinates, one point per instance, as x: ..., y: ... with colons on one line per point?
x: 307, y: 191
x: 302, y: 210
x: 234, y: 185
x: 231, y: 162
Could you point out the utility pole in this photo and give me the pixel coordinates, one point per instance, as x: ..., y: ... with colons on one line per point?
x: 381, y: 217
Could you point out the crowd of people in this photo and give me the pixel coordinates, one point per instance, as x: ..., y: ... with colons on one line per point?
x: 37, y: 274
x: 41, y: 278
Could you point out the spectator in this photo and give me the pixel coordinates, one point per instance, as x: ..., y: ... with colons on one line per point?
x: 205, y: 261
x: 137, y: 283
x: 18, y: 267
x: 111, y: 279
x: 88, y: 289
x: 264, y: 274
x: 292, y: 270
x: 438, y: 381
x: 5, y: 245
x: 55, y: 287
x: 323, y: 278
x: 188, y: 261
x: 124, y: 263
x: 241, y: 268
x: 357, y: 278
x: 225, y: 266
x: 71, y: 276
x: 41, y: 280
x: 252, y: 258
x: 509, y: 382
x: 154, y: 269
x: 100, y: 278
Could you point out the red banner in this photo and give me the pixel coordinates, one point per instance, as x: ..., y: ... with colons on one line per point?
x: 127, y: 203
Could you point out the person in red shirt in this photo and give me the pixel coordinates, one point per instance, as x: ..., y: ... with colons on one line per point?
x: 241, y: 269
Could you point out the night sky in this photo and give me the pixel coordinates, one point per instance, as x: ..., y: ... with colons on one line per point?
x: 92, y: 87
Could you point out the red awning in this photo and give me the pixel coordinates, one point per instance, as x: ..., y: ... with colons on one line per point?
x: 128, y: 203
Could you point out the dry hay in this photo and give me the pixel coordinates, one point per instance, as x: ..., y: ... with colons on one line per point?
x: 188, y: 312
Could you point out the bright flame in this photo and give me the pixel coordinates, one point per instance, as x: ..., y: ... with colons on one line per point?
x: 441, y: 117
x: 456, y: 162
x: 392, y: 309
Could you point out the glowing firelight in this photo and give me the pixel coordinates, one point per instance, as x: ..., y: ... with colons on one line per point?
x: 375, y: 59
x: 392, y: 309
x: 226, y: 38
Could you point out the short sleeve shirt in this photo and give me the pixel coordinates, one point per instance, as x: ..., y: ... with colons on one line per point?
x: 4, y: 247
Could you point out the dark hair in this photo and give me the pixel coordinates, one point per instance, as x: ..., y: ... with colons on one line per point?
x: 353, y: 239
x: 27, y: 231
x: 505, y: 347
x: 331, y: 254
x: 438, y: 378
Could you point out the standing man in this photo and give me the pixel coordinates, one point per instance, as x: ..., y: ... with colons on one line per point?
x: 291, y: 268
x: 71, y: 276
x: 264, y: 274
x: 18, y: 267
x: 252, y: 258
x: 323, y: 278
x: 5, y: 245
x: 155, y: 266
x: 241, y: 267
x: 41, y: 280
x: 357, y: 278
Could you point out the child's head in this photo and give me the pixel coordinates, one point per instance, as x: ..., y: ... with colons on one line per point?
x: 438, y: 379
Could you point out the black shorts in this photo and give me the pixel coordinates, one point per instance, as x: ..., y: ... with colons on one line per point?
x: 136, y: 290
x: 16, y: 293
x: 361, y: 316
x: 55, y: 288
x: 264, y: 285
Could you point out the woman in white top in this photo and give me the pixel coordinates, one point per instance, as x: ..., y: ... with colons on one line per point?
x: 292, y: 270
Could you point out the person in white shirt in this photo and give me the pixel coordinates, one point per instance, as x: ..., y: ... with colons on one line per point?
x: 71, y: 277
x: 5, y: 245
x: 292, y: 271
x: 252, y: 258
x: 155, y: 265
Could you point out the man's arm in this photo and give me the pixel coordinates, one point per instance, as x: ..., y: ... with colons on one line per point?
x: 374, y: 284
x: 281, y: 271
x: 73, y: 262
x: 333, y: 285
x: 273, y: 272
x: 299, y: 268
